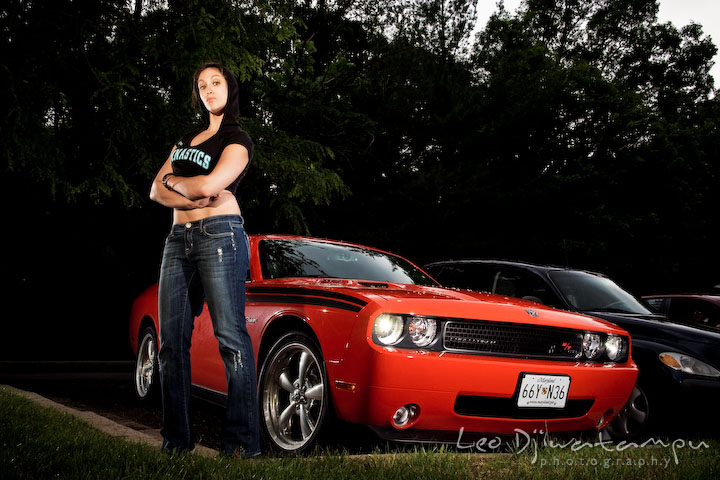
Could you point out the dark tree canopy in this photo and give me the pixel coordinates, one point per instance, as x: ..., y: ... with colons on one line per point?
x: 578, y: 132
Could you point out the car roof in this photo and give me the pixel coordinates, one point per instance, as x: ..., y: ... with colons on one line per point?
x: 712, y: 298
x: 280, y: 236
x: 526, y: 265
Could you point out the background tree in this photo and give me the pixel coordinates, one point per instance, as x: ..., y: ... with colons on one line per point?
x: 94, y: 104
x: 587, y: 131
x: 574, y: 132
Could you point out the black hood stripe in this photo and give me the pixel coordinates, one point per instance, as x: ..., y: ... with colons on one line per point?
x: 306, y: 291
x: 300, y: 300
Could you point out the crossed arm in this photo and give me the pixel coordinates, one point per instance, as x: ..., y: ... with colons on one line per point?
x: 188, y: 193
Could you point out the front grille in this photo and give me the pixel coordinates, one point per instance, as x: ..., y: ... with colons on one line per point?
x: 495, y: 407
x: 521, y: 340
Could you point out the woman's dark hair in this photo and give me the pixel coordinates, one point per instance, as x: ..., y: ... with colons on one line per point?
x: 197, y: 103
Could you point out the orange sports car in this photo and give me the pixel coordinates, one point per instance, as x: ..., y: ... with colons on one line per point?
x: 364, y: 335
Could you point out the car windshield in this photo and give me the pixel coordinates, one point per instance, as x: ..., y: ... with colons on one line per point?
x: 592, y: 293
x: 319, y: 259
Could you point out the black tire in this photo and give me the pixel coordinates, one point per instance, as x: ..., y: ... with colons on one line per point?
x: 293, y: 394
x: 634, y: 419
x: 147, y: 377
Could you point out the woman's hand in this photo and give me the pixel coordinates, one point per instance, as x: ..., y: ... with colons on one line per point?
x: 201, y: 191
x: 208, y: 202
x: 232, y: 162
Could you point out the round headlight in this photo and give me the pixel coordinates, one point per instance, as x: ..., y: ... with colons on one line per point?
x: 422, y: 331
x: 613, y: 347
x: 591, y: 345
x: 388, y: 328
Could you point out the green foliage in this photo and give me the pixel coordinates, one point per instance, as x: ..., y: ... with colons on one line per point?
x: 591, y: 131
x: 95, y: 119
x: 291, y: 169
x: 576, y: 131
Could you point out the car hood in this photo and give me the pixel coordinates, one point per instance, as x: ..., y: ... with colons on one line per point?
x: 384, y: 297
x: 659, y: 327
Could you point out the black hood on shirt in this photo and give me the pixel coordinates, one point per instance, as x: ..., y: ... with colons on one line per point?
x: 232, y: 108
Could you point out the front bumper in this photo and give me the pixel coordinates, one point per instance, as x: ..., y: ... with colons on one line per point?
x: 474, y: 393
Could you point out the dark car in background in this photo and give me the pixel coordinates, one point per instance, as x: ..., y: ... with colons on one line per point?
x: 679, y: 364
x: 702, y: 310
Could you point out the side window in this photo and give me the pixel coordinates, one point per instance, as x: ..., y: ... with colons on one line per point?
x: 680, y: 310
x: 694, y: 311
x: 518, y: 283
x: 655, y: 304
x: 713, y: 315
x: 470, y: 276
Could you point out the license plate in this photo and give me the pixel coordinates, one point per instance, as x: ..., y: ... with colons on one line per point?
x: 543, y: 391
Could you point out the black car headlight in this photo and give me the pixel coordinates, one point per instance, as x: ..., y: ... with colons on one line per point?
x: 688, y: 364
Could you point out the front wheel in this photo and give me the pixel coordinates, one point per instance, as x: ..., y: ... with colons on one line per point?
x: 633, y: 419
x: 146, y: 365
x: 294, y: 398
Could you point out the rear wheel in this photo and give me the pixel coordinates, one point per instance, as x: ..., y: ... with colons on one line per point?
x: 146, y: 366
x: 294, y: 398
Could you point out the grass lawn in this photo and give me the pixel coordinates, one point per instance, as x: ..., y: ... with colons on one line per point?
x: 40, y: 443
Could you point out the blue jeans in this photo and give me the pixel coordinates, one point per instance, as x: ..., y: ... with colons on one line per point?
x: 207, y: 260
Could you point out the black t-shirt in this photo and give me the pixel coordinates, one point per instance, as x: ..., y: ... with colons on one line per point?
x: 200, y: 159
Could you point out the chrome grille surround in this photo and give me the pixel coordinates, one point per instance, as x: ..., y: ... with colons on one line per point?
x: 512, y: 340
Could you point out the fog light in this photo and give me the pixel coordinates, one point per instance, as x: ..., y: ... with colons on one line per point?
x: 404, y: 415
x: 600, y: 422
x: 606, y: 415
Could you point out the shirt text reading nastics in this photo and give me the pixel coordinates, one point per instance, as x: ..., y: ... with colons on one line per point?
x: 193, y: 155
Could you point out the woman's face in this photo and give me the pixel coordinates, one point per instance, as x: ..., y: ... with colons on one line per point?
x: 213, y: 90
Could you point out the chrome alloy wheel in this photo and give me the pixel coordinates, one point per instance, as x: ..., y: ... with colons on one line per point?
x: 293, y: 394
x: 633, y: 418
x: 145, y: 367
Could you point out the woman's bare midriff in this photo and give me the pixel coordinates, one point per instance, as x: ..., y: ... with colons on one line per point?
x: 225, y: 205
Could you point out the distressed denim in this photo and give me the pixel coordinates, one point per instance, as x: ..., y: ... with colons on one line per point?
x: 207, y: 260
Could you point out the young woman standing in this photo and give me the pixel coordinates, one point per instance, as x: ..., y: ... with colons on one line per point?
x: 206, y: 259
